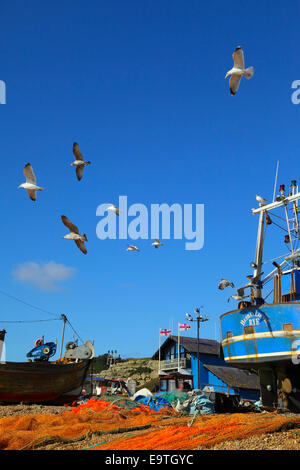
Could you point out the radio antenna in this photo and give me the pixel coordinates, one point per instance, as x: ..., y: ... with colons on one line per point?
x: 275, y: 184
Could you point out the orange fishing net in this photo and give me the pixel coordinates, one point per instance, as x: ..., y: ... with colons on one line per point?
x: 98, y: 417
x: 99, y: 405
x: 205, y: 431
x: 138, y: 428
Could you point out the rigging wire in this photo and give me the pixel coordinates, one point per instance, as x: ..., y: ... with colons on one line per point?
x: 28, y: 304
x: 36, y: 308
x: 274, y: 259
x: 74, y: 331
x: 268, y: 294
x: 29, y: 321
x: 279, y: 226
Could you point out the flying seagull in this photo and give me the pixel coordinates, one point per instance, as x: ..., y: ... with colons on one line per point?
x: 115, y: 209
x: 74, y: 234
x: 132, y: 248
x: 79, y: 161
x: 238, y: 70
x: 30, y: 184
x: 225, y: 283
x: 157, y: 243
x: 240, y: 294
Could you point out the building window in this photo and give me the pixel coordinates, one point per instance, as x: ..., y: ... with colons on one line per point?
x: 172, y: 385
x: 163, y: 385
x: 180, y: 383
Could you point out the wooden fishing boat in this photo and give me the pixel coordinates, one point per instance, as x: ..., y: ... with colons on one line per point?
x: 42, y: 381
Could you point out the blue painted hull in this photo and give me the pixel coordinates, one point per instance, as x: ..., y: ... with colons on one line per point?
x: 274, y: 339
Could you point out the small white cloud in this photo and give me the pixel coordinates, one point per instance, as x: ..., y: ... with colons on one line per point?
x: 43, y: 276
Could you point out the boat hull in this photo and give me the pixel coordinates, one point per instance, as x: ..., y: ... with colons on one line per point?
x: 42, y: 382
x: 275, y: 335
x: 267, y: 339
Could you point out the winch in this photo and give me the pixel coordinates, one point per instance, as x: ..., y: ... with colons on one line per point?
x: 85, y: 351
x: 43, y: 351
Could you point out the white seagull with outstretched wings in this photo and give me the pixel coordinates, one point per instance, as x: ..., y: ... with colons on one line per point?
x: 30, y: 184
x: 157, y: 243
x: 238, y: 70
x: 79, y: 161
x: 132, y: 248
x: 74, y: 234
x: 114, y: 208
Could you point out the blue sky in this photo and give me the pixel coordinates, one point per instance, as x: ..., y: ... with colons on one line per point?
x: 140, y: 86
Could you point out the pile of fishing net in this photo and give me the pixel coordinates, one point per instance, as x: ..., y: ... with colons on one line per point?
x: 109, y: 401
x: 205, y: 431
x: 120, y: 424
x: 193, y: 402
x: 173, y: 397
x: 95, y: 417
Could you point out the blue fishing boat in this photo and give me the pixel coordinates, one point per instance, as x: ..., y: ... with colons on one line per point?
x: 263, y: 333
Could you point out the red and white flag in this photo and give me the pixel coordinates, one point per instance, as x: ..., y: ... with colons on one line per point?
x: 165, y: 332
x: 184, y: 326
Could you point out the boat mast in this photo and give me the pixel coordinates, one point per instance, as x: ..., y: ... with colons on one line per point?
x: 262, y: 210
x: 258, y: 257
x: 64, y: 318
x: 295, y: 209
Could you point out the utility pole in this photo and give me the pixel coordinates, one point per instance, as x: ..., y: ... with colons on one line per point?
x: 199, y: 319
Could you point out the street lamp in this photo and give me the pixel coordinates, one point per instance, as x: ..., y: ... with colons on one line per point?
x: 110, y: 357
x: 199, y: 319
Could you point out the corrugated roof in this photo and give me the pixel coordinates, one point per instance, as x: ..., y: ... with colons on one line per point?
x: 235, y: 378
x: 206, y: 346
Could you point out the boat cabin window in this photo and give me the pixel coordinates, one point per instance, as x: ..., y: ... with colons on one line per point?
x: 248, y: 330
x: 287, y: 327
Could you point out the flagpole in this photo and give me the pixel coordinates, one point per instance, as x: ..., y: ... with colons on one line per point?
x: 178, y: 346
x: 159, y: 352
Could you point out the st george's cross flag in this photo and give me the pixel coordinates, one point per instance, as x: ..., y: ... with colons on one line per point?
x: 165, y: 332
x: 183, y: 326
